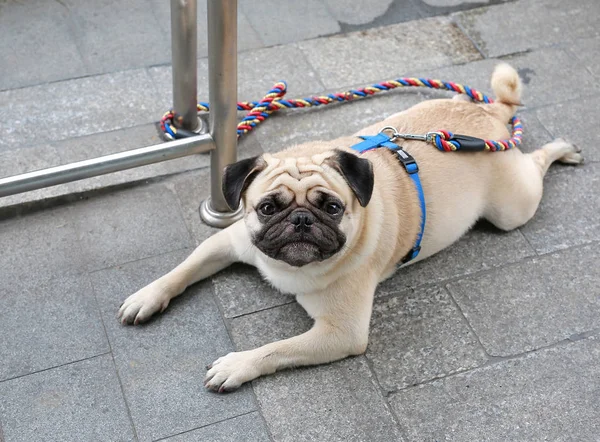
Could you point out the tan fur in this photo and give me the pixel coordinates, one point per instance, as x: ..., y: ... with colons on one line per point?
x: 459, y: 189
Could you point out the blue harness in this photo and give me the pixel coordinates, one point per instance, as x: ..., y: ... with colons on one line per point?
x: 410, y: 165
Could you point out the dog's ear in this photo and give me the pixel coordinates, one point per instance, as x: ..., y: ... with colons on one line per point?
x: 237, y: 177
x: 358, y: 173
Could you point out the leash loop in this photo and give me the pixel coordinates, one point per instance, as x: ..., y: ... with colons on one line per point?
x: 273, y: 101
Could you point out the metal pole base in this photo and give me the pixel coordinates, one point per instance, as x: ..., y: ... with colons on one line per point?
x: 219, y: 219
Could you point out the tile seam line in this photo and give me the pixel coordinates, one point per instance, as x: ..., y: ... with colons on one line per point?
x: 117, y: 71
x: 311, y: 66
x: 468, y: 324
x: 203, y: 426
x: 569, y: 51
x: 464, y: 32
x: 241, y: 315
x: 75, y: 33
x: 496, y: 360
x: 190, y: 235
x: 560, y: 45
x: 227, y: 325
x: 242, y: 13
x: 99, y: 355
x: 91, y: 272
x: 533, y: 249
x: 481, y: 272
x: 382, y: 394
x: 123, y: 395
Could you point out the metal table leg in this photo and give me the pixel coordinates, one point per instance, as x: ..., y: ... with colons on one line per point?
x: 222, y: 84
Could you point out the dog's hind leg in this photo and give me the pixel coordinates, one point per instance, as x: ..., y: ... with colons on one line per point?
x: 558, y: 150
x: 519, y: 178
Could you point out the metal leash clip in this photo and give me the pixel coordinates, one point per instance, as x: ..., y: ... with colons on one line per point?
x: 395, y: 134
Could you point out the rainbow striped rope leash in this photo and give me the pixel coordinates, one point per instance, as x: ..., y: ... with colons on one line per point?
x: 259, y: 111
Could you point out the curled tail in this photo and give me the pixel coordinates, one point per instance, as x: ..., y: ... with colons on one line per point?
x: 507, y: 87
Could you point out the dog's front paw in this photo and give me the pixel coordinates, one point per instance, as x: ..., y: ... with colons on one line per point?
x: 231, y: 371
x: 140, y: 306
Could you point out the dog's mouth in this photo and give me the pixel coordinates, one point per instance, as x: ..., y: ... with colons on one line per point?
x: 299, y: 247
x: 299, y: 253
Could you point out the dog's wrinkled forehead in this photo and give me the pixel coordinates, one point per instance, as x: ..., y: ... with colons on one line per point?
x: 301, y: 174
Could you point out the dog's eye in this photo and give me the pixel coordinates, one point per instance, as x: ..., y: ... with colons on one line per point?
x: 267, y: 209
x: 333, y: 208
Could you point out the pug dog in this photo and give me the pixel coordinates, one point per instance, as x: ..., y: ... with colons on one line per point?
x: 327, y: 224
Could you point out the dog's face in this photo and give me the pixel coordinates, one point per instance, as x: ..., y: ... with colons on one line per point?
x: 301, y: 210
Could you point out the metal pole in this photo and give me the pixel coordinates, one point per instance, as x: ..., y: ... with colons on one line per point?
x: 105, y: 164
x: 222, y: 84
x: 184, y: 36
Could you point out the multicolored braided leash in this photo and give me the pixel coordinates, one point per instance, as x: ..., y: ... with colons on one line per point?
x: 259, y: 111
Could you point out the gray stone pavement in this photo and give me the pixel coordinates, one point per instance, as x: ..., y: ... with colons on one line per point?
x: 495, y: 338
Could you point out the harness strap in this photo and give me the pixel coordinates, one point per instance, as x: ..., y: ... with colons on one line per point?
x: 411, y: 167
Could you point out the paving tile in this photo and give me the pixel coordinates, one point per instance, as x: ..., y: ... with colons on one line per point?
x: 260, y: 328
x: 335, y: 402
x: 575, y: 121
x: 335, y: 120
x: 437, y: 41
x: 190, y: 190
x: 16, y: 161
x: 585, y: 50
x: 535, y: 134
x: 360, y: 12
x: 37, y: 44
x: 542, y: 72
x: 241, y: 290
x: 77, y: 107
x: 46, y: 324
x: 454, y: 3
x: 340, y: 400
x: 248, y: 428
x: 41, y: 245
x: 162, y: 364
x: 543, y: 77
x: 258, y: 71
x: 568, y: 213
x: 124, y: 43
x: 548, y: 395
x: 76, y: 402
x: 247, y: 36
x: 289, y: 21
x: 128, y: 225
x: 514, y: 311
x: 483, y: 248
x: 366, y: 14
x: 417, y: 336
x: 532, y: 24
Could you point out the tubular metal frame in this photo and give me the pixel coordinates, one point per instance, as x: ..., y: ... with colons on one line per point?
x: 222, y: 138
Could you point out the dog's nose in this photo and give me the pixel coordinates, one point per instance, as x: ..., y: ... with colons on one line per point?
x: 302, y: 219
